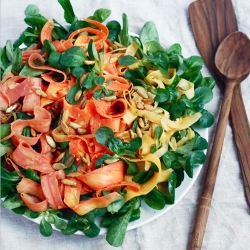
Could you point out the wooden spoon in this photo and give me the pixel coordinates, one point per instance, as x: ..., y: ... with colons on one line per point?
x: 232, y: 60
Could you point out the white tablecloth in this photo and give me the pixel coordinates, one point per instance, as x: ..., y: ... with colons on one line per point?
x: 228, y: 225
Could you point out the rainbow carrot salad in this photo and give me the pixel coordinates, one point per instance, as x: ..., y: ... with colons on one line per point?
x: 96, y: 121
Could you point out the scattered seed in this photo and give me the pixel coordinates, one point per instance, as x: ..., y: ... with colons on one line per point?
x: 139, y: 105
x: 40, y: 93
x: 89, y: 62
x: 50, y: 141
x: 158, y: 111
x: 65, y: 127
x: 58, y: 166
x: 59, y: 157
x: 81, y: 131
x: 83, y: 159
x: 74, y: 125
x: 146, y: 127
x: 87, y: 158
x: 109, y: 98
x: 33, y: 132
x: 141, y: 122
x: 110, y: 161
x: 11, y: 108
x: 74, y: 174
x: 78, y: 95
x: 65, y: 115
x: 138, y: 131
x: 148, y: 101
x: 145, y: 120
x: 84, y: 103
x: 153, y: 130
x: 136, y: 96
x: 69, y: 161
x: 141, y: 91
x: 148, y: 107
x: 132, y: 134
x: 69, y: 182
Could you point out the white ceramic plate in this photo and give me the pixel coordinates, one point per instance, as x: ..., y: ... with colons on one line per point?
x: 148, y: 214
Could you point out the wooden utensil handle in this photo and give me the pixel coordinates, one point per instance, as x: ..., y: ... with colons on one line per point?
x: 241, y: 131
x: 208, y: 188
x: 199, y: 231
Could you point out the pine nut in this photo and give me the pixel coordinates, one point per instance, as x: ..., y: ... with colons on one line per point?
x: 83, y: 159
x: 141, y: 122
x: 140, y: 105
x: 89, y: 62
x: 81, y: 131
x: 59, y: 157
x: 74, y: 174
x: 84, y: 103
x: 68, y: 182
x: 132, y: 134
x: 58, y: 166
x: 146, y: 127
x: 109, y: 98
x: 148, y: 101
x: 138, y: 131
x: 152, y: 129
x: 148, y: 107
x: 69, y: 161
x: 65, y: 127
x: 33, y: 132
x: 78, y: 95
x: 87, y: 156
x: 141, y: 91
x: 11, y: 108
x: 50, y: 141
x: 74, y: 125
x: 110, y: 161
x: 158, y: 111
x: 65, y: 115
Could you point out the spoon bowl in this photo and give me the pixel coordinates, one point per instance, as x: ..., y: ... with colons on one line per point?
x: 232, y: 58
